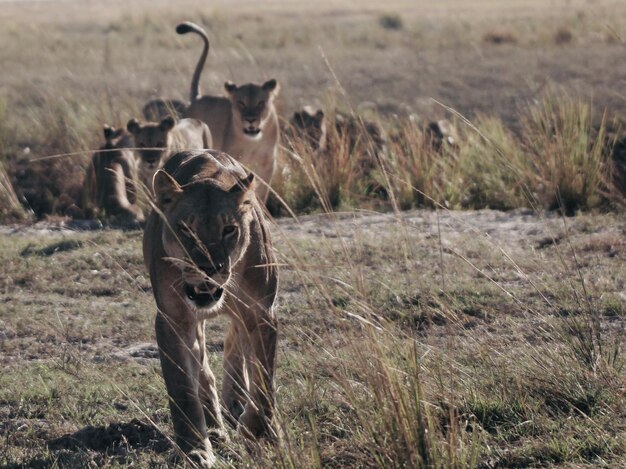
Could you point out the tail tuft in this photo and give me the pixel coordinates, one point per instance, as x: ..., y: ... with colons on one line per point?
x: 186, y: 27
x: 189, y: 27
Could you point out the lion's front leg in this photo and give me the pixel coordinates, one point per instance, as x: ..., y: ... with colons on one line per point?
x: 181, y: 362
x: 207, y: 392
x: 266, y: 172
x: 117, y: 202
x: 233, y: 386
x: 256, y: 420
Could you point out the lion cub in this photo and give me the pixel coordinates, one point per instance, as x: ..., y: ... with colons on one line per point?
x: 309, y: 125
x: 208, y: 250
x: 244, y: 124
x: 155, y: 142
x: 111, y: 178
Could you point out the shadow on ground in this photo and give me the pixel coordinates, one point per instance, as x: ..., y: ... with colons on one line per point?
x: 115, y: 440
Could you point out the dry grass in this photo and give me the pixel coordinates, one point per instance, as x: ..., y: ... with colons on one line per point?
x: 573, y: 163
x: 408, y: 339
x: 559, y: 161
x: 505, y: 350
x: 500, y: 37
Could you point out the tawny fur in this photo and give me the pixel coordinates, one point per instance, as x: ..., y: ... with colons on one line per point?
x: 155, y: 142
x: 159, y: 108
x: 208, y: 234
x: 244, y: 124
x: 111, y: 179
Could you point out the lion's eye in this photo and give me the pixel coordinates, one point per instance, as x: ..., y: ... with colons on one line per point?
x: 229, y: 231
x: 260, y: 105
x: 241, y: 105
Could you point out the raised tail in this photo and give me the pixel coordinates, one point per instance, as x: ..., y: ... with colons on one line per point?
x: 189, y: 27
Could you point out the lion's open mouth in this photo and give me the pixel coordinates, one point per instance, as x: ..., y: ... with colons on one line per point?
x: 253, y: 132
x: 203, y: 296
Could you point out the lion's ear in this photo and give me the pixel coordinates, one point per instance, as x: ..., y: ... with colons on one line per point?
x: 166, y: 189
x: 167, y: 124
x: 272, y: 86
x: 108, y: 131
x: 111, y: 133
x: 298, y: 118
x: 230, y: 87
x: 243, y: 187
x: 319, y: 115
x: 133, y: 126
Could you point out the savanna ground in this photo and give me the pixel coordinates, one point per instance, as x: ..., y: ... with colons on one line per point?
x: 420, y: 338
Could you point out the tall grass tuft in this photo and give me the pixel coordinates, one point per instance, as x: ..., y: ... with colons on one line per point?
x: 398, y: 426
x: 308, y: 179
x: 60, y: 135
x: 571, y: 162
x: 295, y: 183
x: 10, y: 207
x: 59, y: 126
x: 11, y: 210
x: 414, y: 165
x: 487, y: 170
x: 558, y: 161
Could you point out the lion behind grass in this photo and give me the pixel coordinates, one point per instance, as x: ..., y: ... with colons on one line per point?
x: 208, y: 250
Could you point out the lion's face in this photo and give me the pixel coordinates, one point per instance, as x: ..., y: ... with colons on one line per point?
x: 252, y: 105
x: 207, y: 231
x: 151, y: 141
x: 312, y: 126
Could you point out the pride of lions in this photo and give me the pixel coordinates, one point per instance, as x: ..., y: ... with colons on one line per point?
x: 206, y: 246
x: 208, y: 165
x: 244, y: 124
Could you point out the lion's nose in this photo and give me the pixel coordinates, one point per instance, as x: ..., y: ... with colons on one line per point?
x: 212, y: 269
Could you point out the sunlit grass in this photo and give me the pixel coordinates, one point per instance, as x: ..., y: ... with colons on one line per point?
x: 407, y: 339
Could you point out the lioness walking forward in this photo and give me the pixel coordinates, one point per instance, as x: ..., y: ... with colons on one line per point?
x: 208, y: 250
x: 244, y: 124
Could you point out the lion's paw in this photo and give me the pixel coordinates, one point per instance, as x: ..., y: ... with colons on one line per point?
x: 201, y: 458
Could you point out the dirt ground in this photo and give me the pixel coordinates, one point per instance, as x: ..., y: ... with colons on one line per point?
x: 75, y: 374
x: 512, y: 253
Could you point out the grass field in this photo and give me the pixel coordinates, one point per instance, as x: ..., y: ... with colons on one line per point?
x: 74, y: 68
x: 409, y: 337
x: 451, y: 339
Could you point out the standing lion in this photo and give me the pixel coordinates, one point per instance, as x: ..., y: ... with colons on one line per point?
x: 244, y: 124
x: 208, y: 250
